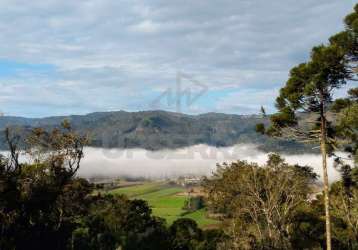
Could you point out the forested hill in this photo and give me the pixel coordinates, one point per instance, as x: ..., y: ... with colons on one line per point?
x: 155, y: 130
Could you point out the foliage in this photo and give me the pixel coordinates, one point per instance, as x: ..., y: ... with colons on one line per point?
x: 115, y: 221
x: 43, y: 205
x: 347, y: 124
x: 345, y: 192
x: 186, y: 234
x: 260, y: 202
x: 41, y: 201
x: 345, y: 211
x: 194, y: 203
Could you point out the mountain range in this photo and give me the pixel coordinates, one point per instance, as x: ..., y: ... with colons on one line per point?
x: 155, y: 130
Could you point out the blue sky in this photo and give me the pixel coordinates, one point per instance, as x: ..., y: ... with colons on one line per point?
x: 76, y: 57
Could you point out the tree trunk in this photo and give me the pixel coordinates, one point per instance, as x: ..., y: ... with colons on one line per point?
x: 325, y: 178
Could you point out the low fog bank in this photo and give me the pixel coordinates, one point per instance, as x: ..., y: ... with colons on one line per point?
x: 196, y: 160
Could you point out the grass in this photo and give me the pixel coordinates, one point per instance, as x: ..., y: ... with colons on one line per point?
x: 138, y: 190
x: 165, y: 202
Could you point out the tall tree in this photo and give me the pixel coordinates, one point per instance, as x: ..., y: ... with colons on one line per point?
x: 309, y: 91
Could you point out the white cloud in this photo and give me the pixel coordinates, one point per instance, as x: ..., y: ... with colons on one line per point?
x: 146, y: 26
x: 248, y: 101
x: 136, y: 47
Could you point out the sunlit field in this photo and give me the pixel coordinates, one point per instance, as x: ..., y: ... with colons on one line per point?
x: 166, y: 201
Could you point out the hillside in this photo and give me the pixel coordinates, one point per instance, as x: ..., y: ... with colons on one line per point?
x: 154, y: 130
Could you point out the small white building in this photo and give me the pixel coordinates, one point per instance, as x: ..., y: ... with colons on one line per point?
x: 188, y: 180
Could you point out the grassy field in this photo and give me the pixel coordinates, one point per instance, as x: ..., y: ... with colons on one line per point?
x: 166, y: 201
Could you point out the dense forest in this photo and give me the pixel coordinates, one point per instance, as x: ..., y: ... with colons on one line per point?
x: 45, y: 205
x: 155, y: 130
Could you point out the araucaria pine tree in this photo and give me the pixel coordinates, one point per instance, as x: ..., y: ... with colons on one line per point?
x: 305, y: 101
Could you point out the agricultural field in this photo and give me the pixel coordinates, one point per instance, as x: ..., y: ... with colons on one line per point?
x: 166, y: 201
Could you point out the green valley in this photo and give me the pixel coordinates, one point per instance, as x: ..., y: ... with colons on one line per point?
x: 167, y: 201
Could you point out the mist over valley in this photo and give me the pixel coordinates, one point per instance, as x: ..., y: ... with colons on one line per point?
x: 198, y: 160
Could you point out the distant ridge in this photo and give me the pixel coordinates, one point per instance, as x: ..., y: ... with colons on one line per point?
x: 154, y: 130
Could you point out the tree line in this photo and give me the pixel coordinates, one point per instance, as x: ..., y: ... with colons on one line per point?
x: 44, y: 205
